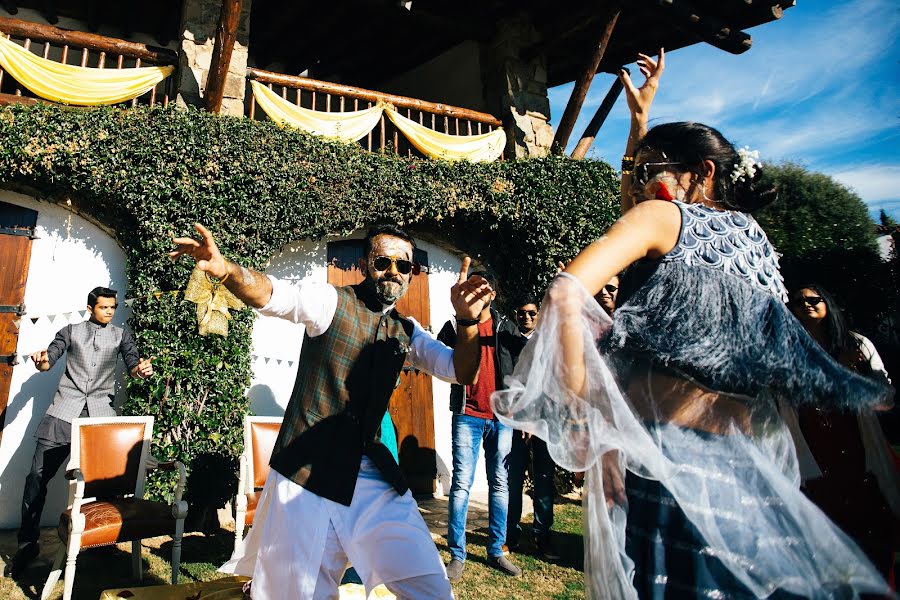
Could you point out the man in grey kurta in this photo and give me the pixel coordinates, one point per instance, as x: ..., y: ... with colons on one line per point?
x: 86, y: 389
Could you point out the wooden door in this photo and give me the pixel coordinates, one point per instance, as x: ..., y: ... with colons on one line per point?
x: 16, y: 232
x: 412, y: 405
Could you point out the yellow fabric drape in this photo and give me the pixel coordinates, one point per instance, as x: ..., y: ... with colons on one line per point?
x: 476, y: 148
x: 343, y: 126
x: 80, y: 86
x: 352, y: 126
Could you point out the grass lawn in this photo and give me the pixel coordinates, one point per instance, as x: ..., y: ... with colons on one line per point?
x: 106, y: 568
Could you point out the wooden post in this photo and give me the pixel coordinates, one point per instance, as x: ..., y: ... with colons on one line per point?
x: 590, y: 132
x: 576, y: 100
x: 226, y: 34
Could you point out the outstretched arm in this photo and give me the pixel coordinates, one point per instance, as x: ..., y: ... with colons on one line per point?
x: 649, y: 230
x: 252, y: 287
x: 639, y: 101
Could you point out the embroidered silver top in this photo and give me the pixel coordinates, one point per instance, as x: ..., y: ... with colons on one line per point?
x: 731, y: 241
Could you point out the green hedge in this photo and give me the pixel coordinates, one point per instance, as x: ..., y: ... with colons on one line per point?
x: 146, y: 173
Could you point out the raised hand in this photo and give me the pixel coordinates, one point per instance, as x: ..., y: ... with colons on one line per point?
x: 143, y: 369
x: 469, y: 294
x: 40, y: 359
x: 205, y: 252
x: 640, y: 99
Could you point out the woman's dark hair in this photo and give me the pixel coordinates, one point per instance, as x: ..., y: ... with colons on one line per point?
x: 692, y: 143
x: 839, y: 339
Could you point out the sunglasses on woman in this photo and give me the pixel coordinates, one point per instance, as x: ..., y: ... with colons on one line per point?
x: 808, y: 301
x: 644, y: 171
x: 523, y: 313
x: 610, y: 288
x: 383, y: 263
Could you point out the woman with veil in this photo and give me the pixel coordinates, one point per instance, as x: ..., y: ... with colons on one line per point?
x: 670, y: 405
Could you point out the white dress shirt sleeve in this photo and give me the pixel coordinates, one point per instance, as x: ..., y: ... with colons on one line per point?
x: 429, y: 355
x: 310, y: 303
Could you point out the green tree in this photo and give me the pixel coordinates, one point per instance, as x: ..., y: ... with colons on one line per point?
x: 886, y: 220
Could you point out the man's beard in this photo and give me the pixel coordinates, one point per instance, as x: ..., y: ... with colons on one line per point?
x: 389, y: 292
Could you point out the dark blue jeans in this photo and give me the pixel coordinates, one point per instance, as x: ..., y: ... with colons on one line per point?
x: 542, y: 470
x: 469, y: 434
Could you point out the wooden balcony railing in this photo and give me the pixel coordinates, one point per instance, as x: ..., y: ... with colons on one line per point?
x: 86, y: 50
x: 334, y: 97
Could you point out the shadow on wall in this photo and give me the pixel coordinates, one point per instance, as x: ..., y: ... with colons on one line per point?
x: 39, y: 388
x: 262, y: 401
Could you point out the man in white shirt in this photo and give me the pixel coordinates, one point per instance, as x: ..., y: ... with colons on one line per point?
x: 335, y: 493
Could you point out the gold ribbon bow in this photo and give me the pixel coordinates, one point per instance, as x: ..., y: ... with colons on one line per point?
x: 213, y: 301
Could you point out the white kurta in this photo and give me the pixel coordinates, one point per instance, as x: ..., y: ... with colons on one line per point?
x: 300, y: 542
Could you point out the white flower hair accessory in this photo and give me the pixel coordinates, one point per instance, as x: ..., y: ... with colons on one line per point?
x: 746, y: 166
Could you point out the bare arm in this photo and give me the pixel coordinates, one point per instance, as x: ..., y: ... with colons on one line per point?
x: 468, y: 296
x: 649, y: 230
x: 252, y: 287
x: 639, y: 101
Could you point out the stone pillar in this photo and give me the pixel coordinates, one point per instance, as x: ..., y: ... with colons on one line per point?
x: 516, y: 90
x: 199, y: 19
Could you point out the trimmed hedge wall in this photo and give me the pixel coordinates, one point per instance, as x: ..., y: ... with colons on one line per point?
x: 149, y: 173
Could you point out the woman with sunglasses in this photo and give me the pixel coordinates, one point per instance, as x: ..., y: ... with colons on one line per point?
x: 846, y: 462
x: 670, y: 403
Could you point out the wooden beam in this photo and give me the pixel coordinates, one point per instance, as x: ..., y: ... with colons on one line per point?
x: 226, y: 34
x: 710, y: 29
x: 582, y: 84
x: 38, y: 32
x: 337, y: 89
x: 590, y: 132
x: 563, y: 29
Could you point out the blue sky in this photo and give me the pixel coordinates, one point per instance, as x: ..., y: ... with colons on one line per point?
x: 818, y: 87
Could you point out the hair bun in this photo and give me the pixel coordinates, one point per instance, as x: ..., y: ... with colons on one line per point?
x: 753, y: 193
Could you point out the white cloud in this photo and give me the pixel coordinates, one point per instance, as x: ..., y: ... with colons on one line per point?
x: 873, y: 183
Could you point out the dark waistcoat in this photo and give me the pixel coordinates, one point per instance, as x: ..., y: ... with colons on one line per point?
x: 344, y: 382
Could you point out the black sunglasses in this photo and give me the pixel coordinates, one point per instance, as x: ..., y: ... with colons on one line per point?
x: 642, y: 171
x: 530, y: 313
x: 808, y: 300
x: 383, y: 263
x: 610, y: 288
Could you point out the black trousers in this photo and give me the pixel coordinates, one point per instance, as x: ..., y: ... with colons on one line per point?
x: 48, y: 458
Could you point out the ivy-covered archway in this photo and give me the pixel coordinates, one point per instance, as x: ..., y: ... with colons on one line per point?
x: 147, y: 174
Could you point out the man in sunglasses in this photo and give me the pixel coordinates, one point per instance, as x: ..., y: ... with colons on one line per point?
x: 86, y: 389
x: 608, y: 294
x: 335, y: 493
x: 528, y: 449
x: 474, y: 426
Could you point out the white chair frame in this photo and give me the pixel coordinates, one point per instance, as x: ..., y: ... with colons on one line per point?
x: 246, y: 477
x: 71, y: 548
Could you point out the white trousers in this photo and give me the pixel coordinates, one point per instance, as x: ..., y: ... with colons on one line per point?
x: 300, y: 543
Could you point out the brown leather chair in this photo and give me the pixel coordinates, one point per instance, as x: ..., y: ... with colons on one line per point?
x: 259, y: 439
x: 107, y: 469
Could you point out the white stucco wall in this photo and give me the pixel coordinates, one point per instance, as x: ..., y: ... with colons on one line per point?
x: 276, y: 340
x: 70, y: 257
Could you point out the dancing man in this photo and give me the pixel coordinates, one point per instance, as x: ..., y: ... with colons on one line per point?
x: 335, y: 492
x: 86, y: 389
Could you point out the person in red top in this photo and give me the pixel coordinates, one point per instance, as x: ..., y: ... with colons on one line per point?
x: 474, y: 427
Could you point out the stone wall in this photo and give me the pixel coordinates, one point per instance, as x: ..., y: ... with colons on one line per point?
x: 516, y: 89
x: 199, y: 20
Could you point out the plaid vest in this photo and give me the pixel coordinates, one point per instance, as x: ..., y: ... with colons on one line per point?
x: 344, y: 383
